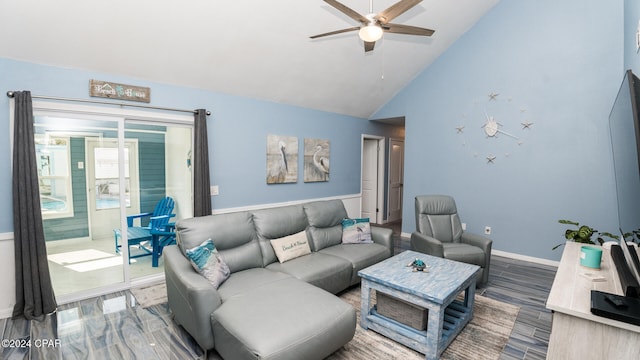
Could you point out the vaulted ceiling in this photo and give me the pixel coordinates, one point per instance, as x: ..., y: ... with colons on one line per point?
x: 253, y: 48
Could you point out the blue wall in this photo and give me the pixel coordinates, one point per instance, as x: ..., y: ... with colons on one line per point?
x: 559, y: 61
x: 237, y: 132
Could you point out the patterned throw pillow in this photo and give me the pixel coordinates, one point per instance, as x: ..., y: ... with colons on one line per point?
x: 291, y: 247
x: 356, y: 231
x: 207, y: 261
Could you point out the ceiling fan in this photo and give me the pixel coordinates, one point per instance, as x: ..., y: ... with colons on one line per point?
x: 373, y: 25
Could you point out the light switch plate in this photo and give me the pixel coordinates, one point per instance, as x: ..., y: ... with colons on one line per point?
x: 638, y: 37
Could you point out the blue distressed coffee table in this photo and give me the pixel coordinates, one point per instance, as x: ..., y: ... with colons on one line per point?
x: 435, y: 291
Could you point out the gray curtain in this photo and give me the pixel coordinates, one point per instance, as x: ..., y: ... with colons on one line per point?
x: 201, y: 183
x: 34, y: 291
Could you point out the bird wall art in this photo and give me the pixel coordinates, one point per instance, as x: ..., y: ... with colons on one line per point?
x: 316, y: 160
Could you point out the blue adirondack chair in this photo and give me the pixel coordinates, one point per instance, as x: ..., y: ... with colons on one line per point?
x: 152, y: 237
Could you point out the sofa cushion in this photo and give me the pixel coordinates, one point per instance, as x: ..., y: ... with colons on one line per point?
x: 283, y: 320
x: 327, y: 272
x: 276, y: 223
x: 291, y: 247
x: 325, y: 223
x: 359, y: 256
x: 356, y: 231
x: 243, y: 282
x: 233, y: 234
x: 206, y: 260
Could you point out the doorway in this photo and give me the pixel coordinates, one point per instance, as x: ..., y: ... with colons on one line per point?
x: 396, y: 179
x: 372, y: 183
x: 103, y: 184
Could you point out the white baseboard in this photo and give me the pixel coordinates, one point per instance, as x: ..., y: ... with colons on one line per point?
x: 526, y: 258
x: 6, y: 236
x: 6, y: 313
x: 8, y: 270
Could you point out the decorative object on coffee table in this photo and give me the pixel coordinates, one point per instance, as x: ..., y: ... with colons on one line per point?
x: 419, y: 265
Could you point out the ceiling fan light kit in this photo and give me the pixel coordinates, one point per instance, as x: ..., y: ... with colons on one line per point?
x: 370, y: 33
x: 374, y: 25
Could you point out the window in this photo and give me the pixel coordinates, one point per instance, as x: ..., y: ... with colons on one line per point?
x: 54, y: 176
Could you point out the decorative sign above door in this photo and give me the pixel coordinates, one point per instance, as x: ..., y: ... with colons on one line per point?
x: 99, y: 88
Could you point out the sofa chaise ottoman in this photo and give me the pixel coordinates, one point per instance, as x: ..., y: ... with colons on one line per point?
x: 267, y: 309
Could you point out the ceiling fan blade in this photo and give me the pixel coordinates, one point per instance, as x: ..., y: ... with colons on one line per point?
x: 368, y: 45
x: 407, y: 29
x: 395, y: 10
x: 348, y: 11
x: 335, y: 32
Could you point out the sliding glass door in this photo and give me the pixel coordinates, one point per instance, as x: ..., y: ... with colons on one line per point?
x: 94, y: 172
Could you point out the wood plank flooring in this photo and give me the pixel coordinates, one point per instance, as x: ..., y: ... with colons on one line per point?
x: 114, y: 326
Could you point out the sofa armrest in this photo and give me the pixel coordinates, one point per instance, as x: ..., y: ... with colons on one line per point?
x: 383, y: 236
x: 477, y: 240
x: 426, y: 245
x: 191, y: 297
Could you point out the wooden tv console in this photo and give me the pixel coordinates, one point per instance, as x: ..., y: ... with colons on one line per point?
x: 575, y: 332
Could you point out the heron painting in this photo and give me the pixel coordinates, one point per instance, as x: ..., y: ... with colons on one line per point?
x: 316, y: 160
x: 282, y: 159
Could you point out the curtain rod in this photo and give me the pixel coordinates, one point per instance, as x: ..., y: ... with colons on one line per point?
x: 10, y: 94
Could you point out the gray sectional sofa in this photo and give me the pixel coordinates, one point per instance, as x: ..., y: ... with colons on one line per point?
x: 267, y: 309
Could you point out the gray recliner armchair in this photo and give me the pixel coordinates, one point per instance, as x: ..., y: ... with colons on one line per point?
x: 439, y: 233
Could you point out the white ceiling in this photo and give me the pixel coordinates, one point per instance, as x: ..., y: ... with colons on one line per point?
x: 253, y: 48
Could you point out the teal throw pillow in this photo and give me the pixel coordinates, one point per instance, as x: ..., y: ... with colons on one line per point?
x: 208, y: 262
x: 356, y: 231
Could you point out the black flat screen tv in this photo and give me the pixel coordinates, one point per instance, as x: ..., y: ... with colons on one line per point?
x: 624, y: 124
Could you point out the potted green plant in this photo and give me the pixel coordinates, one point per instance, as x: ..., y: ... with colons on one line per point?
x: 583, y: 234
x: 633, y: 236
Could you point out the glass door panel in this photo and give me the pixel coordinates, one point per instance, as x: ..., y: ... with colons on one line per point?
x: 81, y: 259
x: 163, y: 170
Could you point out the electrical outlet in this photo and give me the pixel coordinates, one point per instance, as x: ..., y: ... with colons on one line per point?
x: 464, y: 226
x: 487, y: 230
x: 215, y: 190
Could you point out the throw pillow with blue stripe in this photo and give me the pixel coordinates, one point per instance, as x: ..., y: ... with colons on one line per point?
x: 208, y: 262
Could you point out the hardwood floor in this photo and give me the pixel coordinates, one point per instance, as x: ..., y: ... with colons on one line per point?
x: 526, y: 285
x: 114, y: 326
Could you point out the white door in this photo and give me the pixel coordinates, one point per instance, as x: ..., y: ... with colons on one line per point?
x: 370, y: 179
x: 103, y: 184
x: 396, y: 179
